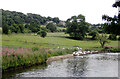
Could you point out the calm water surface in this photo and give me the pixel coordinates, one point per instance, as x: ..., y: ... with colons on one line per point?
x: 94, y: 65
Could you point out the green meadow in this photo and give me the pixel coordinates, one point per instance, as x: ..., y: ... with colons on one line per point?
x: 52, y: 40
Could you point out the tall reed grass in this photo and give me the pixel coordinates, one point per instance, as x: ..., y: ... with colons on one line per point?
x: 12, y: 58
x: 20, y: 57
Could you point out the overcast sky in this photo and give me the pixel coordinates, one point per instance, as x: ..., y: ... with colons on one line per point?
x: 64, y: 9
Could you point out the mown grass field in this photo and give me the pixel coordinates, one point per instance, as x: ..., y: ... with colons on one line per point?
x: 53, y: 40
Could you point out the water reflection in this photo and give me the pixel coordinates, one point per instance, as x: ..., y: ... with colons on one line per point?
x: 96, y: 65
x: 77, y: 65
x: 15, y: 73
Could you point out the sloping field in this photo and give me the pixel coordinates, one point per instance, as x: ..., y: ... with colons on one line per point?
x: 53, y: 40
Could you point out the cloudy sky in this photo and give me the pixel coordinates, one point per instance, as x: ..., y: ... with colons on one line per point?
x: 64, y: 9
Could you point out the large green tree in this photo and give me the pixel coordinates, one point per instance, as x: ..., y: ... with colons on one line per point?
x: 51, y: 27
x: 113, y: 23
x: 34, y: 26
x: 77, y: 27
x: 56, y: 20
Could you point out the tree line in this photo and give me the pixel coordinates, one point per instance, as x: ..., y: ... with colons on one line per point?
x: 112, y: 25
x: 17, y: 22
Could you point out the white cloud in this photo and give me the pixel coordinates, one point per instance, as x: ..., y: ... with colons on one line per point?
x: 64, y: 9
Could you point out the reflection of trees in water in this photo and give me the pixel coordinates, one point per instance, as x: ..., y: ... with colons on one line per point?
x: 77, y: 66
x: 108, y: 57
x: 12, y: 73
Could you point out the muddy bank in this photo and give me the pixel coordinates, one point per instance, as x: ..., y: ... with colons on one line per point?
x: 55, y: 58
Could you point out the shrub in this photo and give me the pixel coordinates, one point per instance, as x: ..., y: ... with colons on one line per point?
x: 39, y: 32
x: 114, y: 50
x: 87, y: 49
x: 112, y: 37
x: 75, y: 49
x: 63, y: 30
x: 43, y: 34
x: 119, y: 38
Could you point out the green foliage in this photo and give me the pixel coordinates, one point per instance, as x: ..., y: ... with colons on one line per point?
x: 43, y: 33
x: 93, y: 34
x: 28, y: 57
x: 75, y: 49
x: 27, y: 31
x: 51, y: 27
x: 39, y: 32
x: 0, y: 30
x: 35, y: 49
x: 77, y: 27
x: 102, y: 39
x: 119, y: 38
x: 27, y: 25
x: 17, y: 28
x: 5, y: 29
x: 9, y: 31
x: 112, y: 37
x: 76, y: 18
x: 21, y: 28
x: 44, y: 28
x: 34, y: 26
x: 61, y: 29
x: 56, y: 20
x: 112, y: 28
x: 12, y: 19
x: 112, y: 25
x: 87, y: 49
x: 114, y: 50
x: 116, y: 4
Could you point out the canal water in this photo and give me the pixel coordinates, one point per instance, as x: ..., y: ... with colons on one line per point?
x: 93, y: 65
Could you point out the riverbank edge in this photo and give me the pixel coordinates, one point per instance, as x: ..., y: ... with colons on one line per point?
x: 49, y: 60
x: 55, y: 58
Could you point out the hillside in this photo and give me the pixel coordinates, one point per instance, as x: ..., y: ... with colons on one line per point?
x: 19, y: 22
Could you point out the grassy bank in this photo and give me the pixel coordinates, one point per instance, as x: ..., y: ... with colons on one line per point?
x: 24, y: 57
x: 12, y: 58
